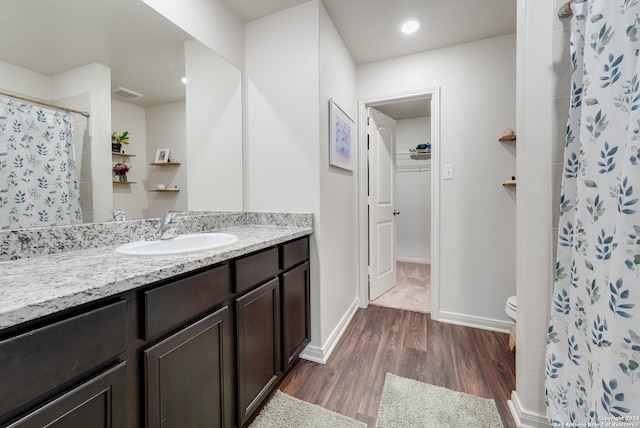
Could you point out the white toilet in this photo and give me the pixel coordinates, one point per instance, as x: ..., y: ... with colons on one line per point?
x: 511, y: 308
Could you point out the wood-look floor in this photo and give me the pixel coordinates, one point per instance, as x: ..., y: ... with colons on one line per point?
x: 408, y: 344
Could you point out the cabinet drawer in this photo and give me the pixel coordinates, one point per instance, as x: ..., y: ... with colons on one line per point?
x: 38, y: 361
x: 172, y: 304
x: 256, y: 268
x: 295, y: 252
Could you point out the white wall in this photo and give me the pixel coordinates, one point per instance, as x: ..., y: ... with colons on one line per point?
x: 283, y: 111
x: 132, y: 198
x: 214, y: 131
x: 338, y: 220
x: 21, y: 81
x: 413, y: 192
x: 477, y: 228
x: 295, y: 61
x: 94, y: 79
x: 166, y: 128
x: 211, y: 22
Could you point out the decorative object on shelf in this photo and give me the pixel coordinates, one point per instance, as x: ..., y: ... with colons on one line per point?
x: 341, y: 136
x: 507, y: 135
x: 162, y: 156
x: 120, y: 170
x: 510, y: 183
x: 117, y: 140
x: 421, y: 149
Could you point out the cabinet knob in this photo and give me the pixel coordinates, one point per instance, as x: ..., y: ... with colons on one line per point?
x: 396, y: 212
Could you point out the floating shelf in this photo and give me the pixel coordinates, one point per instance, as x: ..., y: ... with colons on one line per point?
x: 163, y: 191
x: 124, y: 182
x: 165, y: 163
x: 509, y: 183
x: 127, y: 155
x: 511, y: 137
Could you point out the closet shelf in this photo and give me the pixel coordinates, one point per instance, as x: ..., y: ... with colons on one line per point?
x: 418, y: 155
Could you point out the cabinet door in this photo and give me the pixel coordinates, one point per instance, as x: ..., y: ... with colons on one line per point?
x: 258, y: 335
x: 99, y: 402
x: 295, y: 313
x: 189, y: 376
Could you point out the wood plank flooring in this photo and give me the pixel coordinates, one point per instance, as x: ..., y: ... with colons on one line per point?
x: 409, y: 344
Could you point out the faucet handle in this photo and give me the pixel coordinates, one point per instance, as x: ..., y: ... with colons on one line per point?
x: 169, y: 217
x: 118, y: 214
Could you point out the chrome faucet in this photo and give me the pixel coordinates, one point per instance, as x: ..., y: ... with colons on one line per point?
x: 118, y: 215
x: 168, y: 226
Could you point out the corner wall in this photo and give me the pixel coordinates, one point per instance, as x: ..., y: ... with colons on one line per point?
x: 338, y: 189
x: 295, y: 61
x: 543, y: 105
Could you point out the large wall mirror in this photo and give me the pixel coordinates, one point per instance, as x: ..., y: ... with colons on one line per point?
x: 135, y: 71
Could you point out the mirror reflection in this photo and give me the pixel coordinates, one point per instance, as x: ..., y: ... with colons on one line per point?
x: 125, y: 64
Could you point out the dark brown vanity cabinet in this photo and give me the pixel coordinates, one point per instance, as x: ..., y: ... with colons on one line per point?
x: 201, y: 349
x: 189, y: 375
x: 295, y: 314
x: 258, y: 342
x: 98, y: 402
x: 272, y: 321
x: 66, y: 373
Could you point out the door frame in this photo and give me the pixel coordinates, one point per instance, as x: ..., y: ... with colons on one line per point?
x: 363, y: 221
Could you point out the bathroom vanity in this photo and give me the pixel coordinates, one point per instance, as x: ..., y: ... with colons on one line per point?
x: 191, y: 340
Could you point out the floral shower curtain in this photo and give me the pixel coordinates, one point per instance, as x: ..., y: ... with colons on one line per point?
x: 38, y: 176
x: 593, y: 352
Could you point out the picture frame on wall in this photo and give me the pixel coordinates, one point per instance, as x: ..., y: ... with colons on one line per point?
x: 342, y: 135
x: 162, y: 156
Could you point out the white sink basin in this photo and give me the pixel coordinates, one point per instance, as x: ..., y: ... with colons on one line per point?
x: 187, y: 243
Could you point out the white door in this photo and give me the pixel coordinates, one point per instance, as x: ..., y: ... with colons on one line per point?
x: 382, y: 225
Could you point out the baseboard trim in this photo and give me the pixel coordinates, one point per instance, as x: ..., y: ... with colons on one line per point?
x: 524, y: 418
x: 476, y: 322
x: 321, y: 354
x: 413, y: 260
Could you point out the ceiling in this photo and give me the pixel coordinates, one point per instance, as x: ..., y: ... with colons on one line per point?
x: 144, y: 50
x: 369, y: 28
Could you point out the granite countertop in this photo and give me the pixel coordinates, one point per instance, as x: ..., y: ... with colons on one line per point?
x: 39, y: 286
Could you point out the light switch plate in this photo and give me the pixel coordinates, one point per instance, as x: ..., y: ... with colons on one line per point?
x: 447, y: 171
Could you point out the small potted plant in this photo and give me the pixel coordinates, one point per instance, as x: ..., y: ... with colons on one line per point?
x: 117, y: 140
x: 120, y: 170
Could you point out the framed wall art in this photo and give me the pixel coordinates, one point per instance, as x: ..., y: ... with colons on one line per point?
x: 162, y: 156
x: 342, y: 135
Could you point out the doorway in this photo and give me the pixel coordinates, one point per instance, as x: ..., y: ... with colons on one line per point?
x: 406, y: 108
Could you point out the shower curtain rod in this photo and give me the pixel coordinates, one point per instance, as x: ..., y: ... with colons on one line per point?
x: 46, y: 104
x: 565, y: 10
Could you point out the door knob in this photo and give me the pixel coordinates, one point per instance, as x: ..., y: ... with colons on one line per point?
x: 396, y: 212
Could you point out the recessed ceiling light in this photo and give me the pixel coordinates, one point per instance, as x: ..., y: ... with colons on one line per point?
x: 411, y: 25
